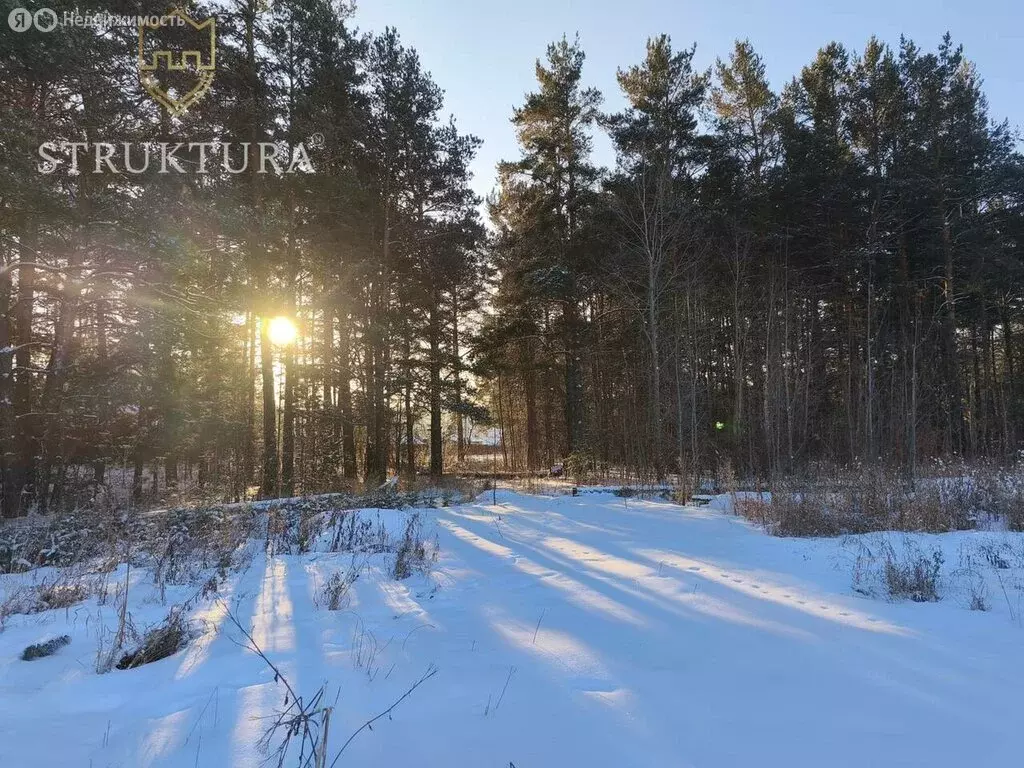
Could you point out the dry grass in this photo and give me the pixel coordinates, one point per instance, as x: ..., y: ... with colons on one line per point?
x: 413, y: 555
x: 62, y: 592
x: 904, y: 573
x: 913, y: 575
x: 872, y: 499
x: 333, y: 595
x: 161, y: 641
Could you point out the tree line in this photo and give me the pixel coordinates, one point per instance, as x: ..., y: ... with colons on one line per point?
x: 137, y: 307
x: 764, y: 280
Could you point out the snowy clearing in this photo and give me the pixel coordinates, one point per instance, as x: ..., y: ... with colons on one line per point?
x: 590, y: 630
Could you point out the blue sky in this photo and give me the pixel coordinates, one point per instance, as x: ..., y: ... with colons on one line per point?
x: 482, y: 52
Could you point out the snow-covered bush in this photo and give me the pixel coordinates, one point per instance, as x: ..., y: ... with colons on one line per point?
x: 37, y: 542
x: 48, y: 648
x: 906, y: 573
x: 802, y: 514
x: 177, y: 543
x: 977, y: 593
x: 334, y: 593
x: 868, y: 499
x: 913, y: 575
x: 792, y: 512
x: 161, y: 641
x: 412, y: 552
x: 61, y: 592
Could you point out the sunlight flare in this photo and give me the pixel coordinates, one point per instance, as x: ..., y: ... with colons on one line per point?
x: 282, y: 331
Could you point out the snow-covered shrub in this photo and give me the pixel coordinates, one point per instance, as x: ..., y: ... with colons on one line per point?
x: 912, y: 574
x: 756, y: 509
x: 334, y: 593
x: 296, y: 526
x: 11, y: 558
x: 41, y: 541
x: 869, y: 499
x: 355, y: 532
x: 1015, y: 517
x: 17, y: 600
x: 907, y: 572
x: 176, y: 543
x: 161, y: 641
x: 1004, y: 498
x: 790, y: 513
x: 62, y: 592
x: 995, y: 555
x: 978, y: 595
x: 48, y: 648
x: 412, y: 552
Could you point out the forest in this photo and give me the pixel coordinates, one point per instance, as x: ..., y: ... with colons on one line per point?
x: 767, y: 281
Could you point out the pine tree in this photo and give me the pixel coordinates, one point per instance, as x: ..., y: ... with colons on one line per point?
x: 553, y: 185
x: 659, y: 151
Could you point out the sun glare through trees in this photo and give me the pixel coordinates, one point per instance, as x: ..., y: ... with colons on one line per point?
x: 530, y: 384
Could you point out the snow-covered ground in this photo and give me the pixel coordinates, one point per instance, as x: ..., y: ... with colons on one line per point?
x: 566, y: 631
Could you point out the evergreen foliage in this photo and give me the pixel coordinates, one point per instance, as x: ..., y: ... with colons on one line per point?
x: 763, y: 281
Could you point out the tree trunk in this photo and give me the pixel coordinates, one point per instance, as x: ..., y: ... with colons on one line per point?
x: 288, y: 425
x: 1009, y: 381
x: 655, y: 365
x: 952, y: 367
x: 530, y: 392
x: 26, y: 439
x: 434, y: 333
x: 103, y: 406
x: 501, y: 428
x: 288, y: 415
x: 268, y: 487
x: 460, y: 444
x: 249, y: 442
x: 348, y: 430
x: 54, y: 389
x: 573, y: 380
x: 9, y: 497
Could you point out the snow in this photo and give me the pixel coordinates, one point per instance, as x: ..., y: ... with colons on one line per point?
x: 591, y: 631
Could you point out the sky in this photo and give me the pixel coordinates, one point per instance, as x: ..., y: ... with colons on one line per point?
x: 483, y: 52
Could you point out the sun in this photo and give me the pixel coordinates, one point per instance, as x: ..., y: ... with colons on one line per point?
x: 282, y: 331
